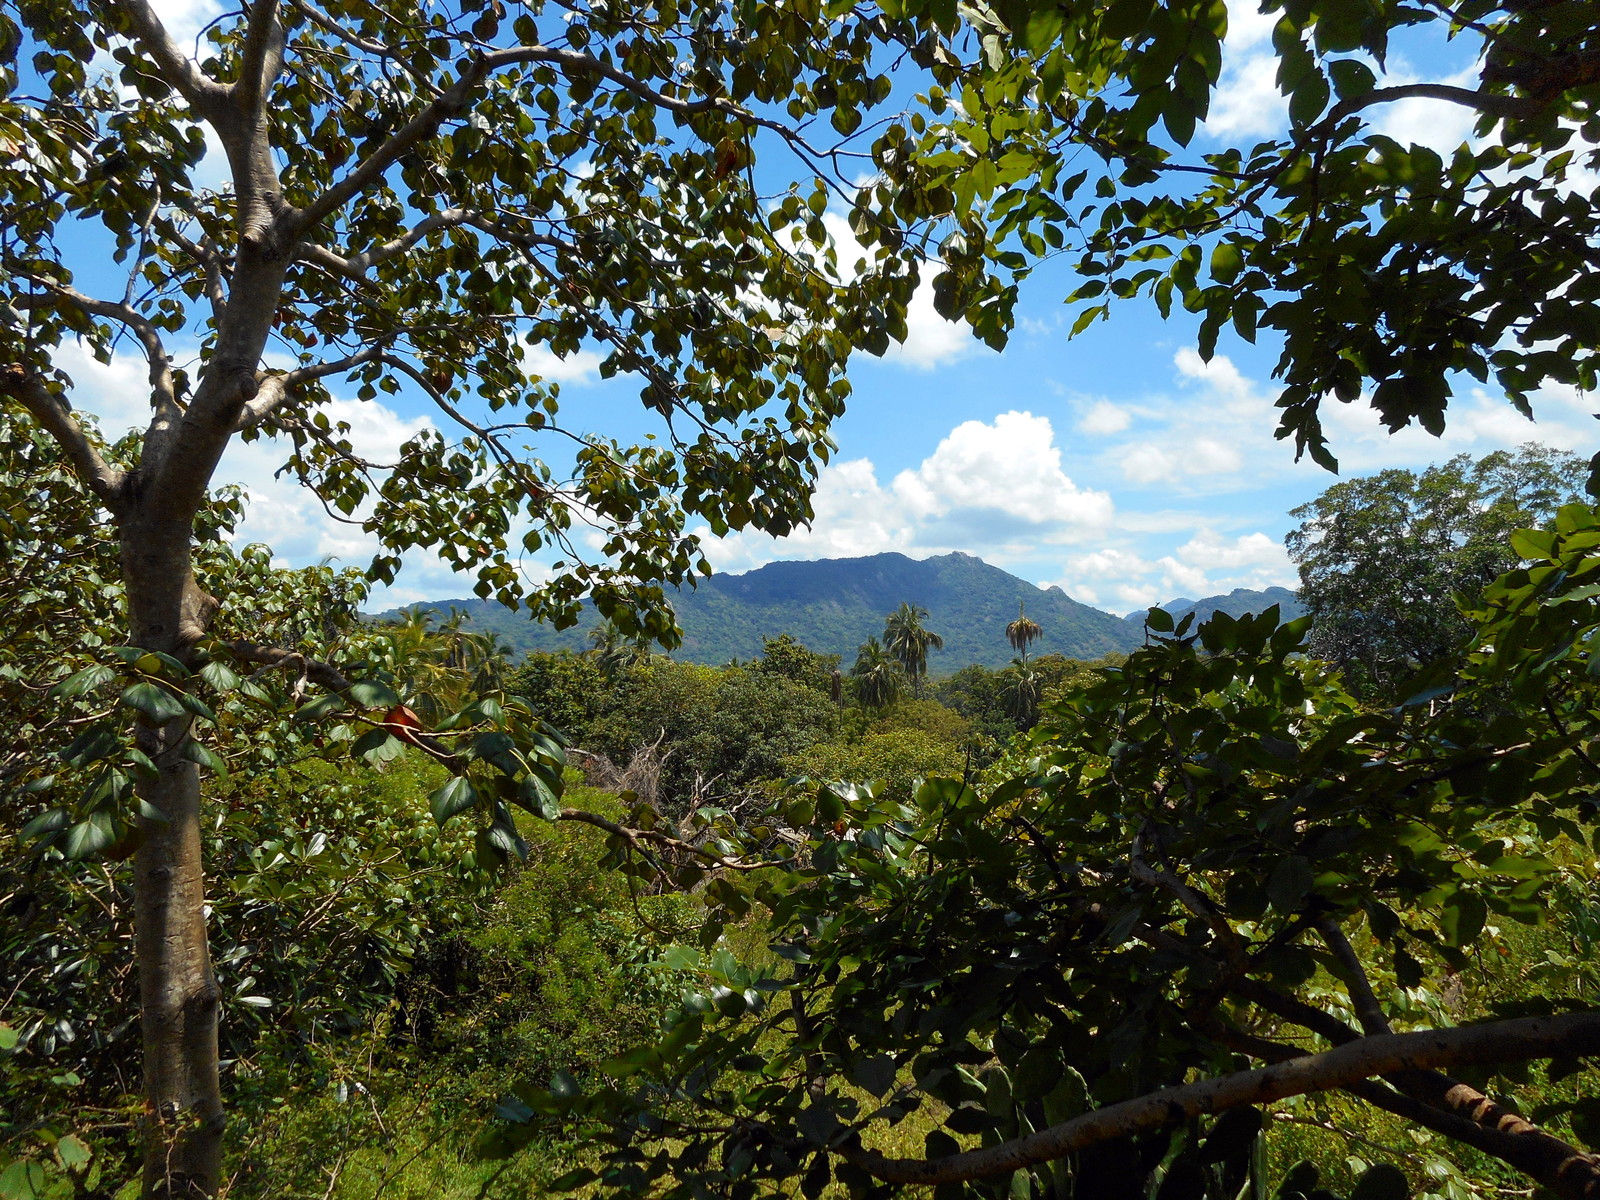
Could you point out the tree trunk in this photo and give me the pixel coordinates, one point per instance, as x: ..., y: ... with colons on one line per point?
x: 178, y: 993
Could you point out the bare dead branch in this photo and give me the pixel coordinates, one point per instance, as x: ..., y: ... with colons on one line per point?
x: 634, y: 836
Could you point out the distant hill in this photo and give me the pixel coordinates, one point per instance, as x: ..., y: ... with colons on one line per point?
x: 1236, y: 604
x: 833, y: 605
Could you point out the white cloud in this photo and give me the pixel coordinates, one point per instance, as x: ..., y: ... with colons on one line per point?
x: 995, y: 489
x: 1208, y: 564
x: 1011, y: 466
x: 1247, y: 25
x: 1247, y: 102
x: 579, y: 368
x: 185, y: 18
x: 1103, y: 418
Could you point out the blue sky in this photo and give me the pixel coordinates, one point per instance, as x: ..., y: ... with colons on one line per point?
x: 1116, y: 465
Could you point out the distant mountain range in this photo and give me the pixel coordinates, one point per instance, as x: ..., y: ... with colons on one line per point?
x: 833, y: 605
x: 1236, y: 604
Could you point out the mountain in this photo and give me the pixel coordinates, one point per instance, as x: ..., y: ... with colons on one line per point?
x: 1236, y: 604
x: 835, y: 604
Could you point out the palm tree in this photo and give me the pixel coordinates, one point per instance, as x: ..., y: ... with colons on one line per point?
x: 909, y: 641
x: 614, y: 650
x: 1023, y: 690
x: 876, y: 674
x: 1022, y: 631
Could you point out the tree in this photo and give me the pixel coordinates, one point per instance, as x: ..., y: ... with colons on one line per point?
x: 905, y: 637
x: 876, y: 674
x: 1023, y: 632
x: 786, y: 656
x: 1383, y: 558
x: 417, y: 200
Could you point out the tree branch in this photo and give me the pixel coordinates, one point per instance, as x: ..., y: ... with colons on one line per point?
x: 162, y: 392
x: 1464, y: 1115
x: 177, y: 68
x: 1368, y: 1011
x: 634, y: 836
x: 1570, y: 1035
x: 55, y: 415
x: 262, y: 59
x: 273, y: 390
x: 1484, y: 102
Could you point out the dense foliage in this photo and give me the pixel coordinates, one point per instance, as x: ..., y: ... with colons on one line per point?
x: 1089, y: 963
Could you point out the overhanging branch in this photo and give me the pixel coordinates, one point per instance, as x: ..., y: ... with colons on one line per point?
x: 1570, y: 1035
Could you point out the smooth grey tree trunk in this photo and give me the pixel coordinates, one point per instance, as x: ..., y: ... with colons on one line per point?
x: 178, y: 993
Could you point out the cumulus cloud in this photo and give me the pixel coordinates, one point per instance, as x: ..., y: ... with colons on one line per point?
x: 1208, y: 564
x: 1103, y: 418
x: 995, y: 489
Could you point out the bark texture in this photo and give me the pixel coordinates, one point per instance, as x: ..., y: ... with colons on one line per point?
x: 178, y: 994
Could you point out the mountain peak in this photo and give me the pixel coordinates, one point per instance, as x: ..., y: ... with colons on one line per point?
x: 834, y: 604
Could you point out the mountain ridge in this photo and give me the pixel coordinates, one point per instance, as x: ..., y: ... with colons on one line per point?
x: 1236, y: 604
x: 834, y: 604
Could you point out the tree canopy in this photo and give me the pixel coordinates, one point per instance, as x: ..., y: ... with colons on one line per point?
x: 1384, y: 558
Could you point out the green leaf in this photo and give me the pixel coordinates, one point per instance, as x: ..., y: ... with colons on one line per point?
x: 1463, y: 918
x: 371, y: 694
x: 572, y: 1180
x: 534, y: 794
x: 154, y: 701
x: 73, y: 1152
x: 377, y: 746
x: 875, y: 1074
x: 454, y: 798
x: 1226, y: 262
x: 219, y: 676
x: 198, y: 752
x: 1381, y: 1181
x: 89, y: 836
x: 50, y: 821
x: 1232, y: 1136
x: 96, y: 742
x: 1289, y: 883
x: 8, y: 1037
x: 83, y: 682
x: 25, y: 1179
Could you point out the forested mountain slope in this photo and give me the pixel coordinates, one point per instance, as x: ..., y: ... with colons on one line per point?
x: 833, y: 605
